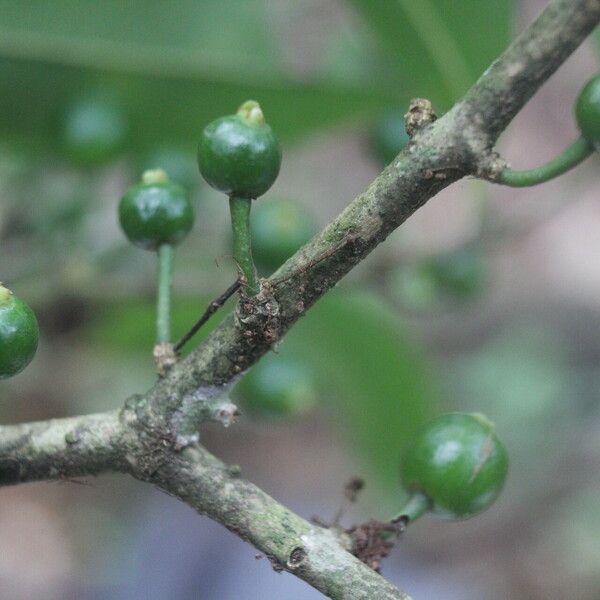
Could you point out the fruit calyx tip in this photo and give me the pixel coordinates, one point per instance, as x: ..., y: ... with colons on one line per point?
x: 251, y: 112
x: 5, y: 294
x: 154, y: 176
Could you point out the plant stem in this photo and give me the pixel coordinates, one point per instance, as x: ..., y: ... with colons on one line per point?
x: 242, y: 247
x: 577, y: 152
x: 212, y: 308
x: 163, y: 304
x: 416, y: 506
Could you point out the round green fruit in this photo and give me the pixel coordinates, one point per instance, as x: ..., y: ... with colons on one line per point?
x: 277, y: 387
x: 413, y: 287
x: 19, y: 334
x: 178, y: 164
x: 94, y: 131
x: 155, y: 212
x: 279, y: 229
x: 587, y: 111
x: 460, y: 273
x: 239, y: 154
x: 388, y: 137
x: 458, y: 463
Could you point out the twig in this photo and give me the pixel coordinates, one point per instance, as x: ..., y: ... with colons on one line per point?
x: 146, y: 437
x: 212, y: 308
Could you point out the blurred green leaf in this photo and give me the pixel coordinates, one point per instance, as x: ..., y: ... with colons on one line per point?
x: 163, y: 38
x: 174, y: 68
x: 377, y: 378
x: 439, y: 47
x: 130, y: 326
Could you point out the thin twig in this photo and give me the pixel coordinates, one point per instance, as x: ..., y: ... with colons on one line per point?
x: 212, y: 308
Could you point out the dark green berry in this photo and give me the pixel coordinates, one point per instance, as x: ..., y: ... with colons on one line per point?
x: 239, y: 154
x: 94, y: 131
x: 413, y: 287
x: 587, y: 111
x: 156, y: 212
x: 178, y: 164
x: 19, y: 334
x: 388, y: 137
x: 460, y: 273
x: 458, y: 463
x: 277, y: 387
x: 279, y: 229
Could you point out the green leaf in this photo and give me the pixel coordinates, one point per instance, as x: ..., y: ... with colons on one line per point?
x: 129, y: 326
x: 439, y: 47
x: 377, y: 378
x: 173, y: 69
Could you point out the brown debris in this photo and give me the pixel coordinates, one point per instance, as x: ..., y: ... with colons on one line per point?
x: 164, y: 357
x: 374, y: 540
x: 420, y: 113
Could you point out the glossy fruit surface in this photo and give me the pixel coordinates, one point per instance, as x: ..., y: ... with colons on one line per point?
x: 239, y: 154
x: 19, y: 334
x: 459, y: 463
x: 279, y: 229
x: 587, y: 111
x: 155, y: 212
x: 388, y: 137
x: 277, y: 387
x: 94, y: 131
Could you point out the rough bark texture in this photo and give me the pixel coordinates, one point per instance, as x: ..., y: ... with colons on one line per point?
x: 154, y: 437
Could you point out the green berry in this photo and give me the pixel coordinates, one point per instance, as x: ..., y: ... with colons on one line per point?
x: 459, y: 463
x: 413, y: 287
x: 19, y: 334
x: 239, y: 154
x: 279, y: 229
x: 460, y: 273
x: 94, y: 131
x: 155, y: 212
x: 388, y: 137
x: 587, y: 111
x: 277, y: 387
x: 178, y: 164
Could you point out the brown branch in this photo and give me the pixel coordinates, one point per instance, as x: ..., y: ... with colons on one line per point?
x: 155, y: 436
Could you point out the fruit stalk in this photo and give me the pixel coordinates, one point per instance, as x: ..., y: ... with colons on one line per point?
x: 576, y: 153
x: 416, y: 506
x: 242, y: 246
x: 163, y: 305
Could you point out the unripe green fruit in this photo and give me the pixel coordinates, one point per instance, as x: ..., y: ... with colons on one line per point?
x: 94, y: 131
x: 277, y: 387
x: 279, y: 229
x: 19, y: 334
x: 156, y: 212
x: 460, y: 273
x: 388, y: 137
x: 587, y: 111
x: 459, y: 463
x: 239, y: 154
x: 178, y: 164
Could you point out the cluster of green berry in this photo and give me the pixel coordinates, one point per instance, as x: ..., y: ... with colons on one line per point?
x: 456, y: 466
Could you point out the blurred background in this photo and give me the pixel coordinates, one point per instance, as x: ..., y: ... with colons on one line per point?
x: 488, y: 299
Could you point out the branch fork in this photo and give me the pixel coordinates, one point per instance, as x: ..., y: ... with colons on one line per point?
x: 142, y: 439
